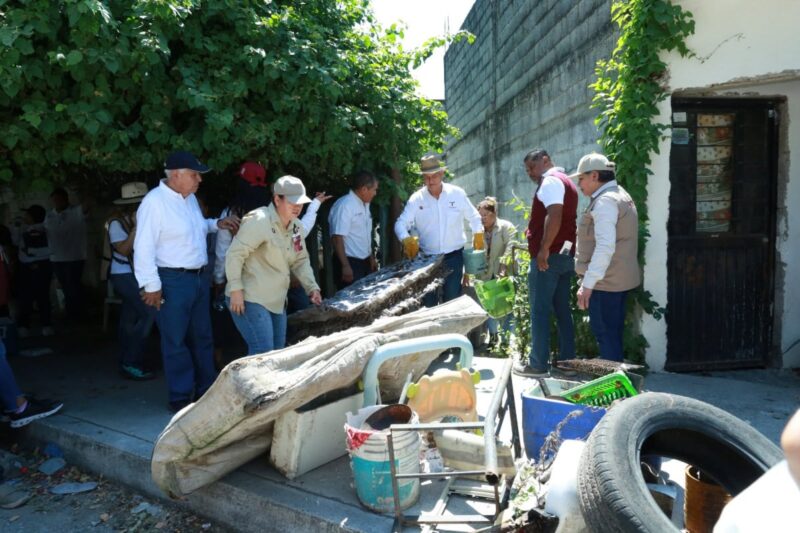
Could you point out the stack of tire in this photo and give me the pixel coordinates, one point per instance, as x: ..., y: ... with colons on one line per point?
x: 611, y: 487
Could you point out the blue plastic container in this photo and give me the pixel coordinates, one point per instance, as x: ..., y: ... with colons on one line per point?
x: 540, y: 416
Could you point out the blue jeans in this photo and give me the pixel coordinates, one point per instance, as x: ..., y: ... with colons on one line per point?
x: 9, y: 392
x: 297, y: 300
x: 607, y: 320
x: 262, y: 330
x: 504, y: 323
x: 454, y: 262
x: 549, y: 292
x: 186, y: 342
x: 135, y: 320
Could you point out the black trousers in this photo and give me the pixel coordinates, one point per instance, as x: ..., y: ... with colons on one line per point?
x: 34, y: 280
x: 360, y: 268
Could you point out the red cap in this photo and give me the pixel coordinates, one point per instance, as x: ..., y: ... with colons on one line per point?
x: 253, y: 173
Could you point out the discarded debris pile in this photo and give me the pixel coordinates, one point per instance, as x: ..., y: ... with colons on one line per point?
x: 391, y: 291
x: 232, y: 423
x: 613, y: 481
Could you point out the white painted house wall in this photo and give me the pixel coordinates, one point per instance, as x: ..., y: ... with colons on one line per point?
x: 744, y: 49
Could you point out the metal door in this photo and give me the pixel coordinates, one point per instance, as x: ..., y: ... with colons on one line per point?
x: 723, y: 166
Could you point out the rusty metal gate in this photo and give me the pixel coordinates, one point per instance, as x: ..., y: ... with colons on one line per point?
x: 720, y: 267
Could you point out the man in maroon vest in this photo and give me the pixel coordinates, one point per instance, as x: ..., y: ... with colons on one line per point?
x: 551, y: 238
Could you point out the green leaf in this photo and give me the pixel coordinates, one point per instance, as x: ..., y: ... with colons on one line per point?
x: 8, y: 35
x: 74, y: 57
x: 111, y: 64
x: 32, y: 118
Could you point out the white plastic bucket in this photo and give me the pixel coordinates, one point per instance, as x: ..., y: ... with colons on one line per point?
x: 369, y: 459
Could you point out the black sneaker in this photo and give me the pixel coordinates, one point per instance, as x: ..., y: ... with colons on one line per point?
x: 136, y: 374
x: 35, y: 410
x: 529, y: 372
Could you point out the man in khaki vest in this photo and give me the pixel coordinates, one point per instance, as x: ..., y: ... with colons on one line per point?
x: 606, y: 257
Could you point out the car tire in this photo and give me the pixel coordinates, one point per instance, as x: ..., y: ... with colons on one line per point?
x: 612, y: 491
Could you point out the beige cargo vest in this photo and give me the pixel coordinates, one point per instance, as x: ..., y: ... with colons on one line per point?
x: 623, y: 272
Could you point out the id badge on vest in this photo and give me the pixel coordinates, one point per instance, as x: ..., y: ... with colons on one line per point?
x: 297, y: 241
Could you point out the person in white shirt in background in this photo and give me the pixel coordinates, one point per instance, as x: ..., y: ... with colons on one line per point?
x: 66, y: 235
x: 170, y: 255
x: 35, y: 271
x: 135, y: 318
x: 252, y: 192
x: 437, y: 212
x: 296, y: 298
x: 351, y: 231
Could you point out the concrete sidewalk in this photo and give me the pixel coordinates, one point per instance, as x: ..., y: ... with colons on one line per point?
x: 108, y: 426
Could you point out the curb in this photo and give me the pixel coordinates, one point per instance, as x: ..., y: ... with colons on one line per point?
x: 242, y: 501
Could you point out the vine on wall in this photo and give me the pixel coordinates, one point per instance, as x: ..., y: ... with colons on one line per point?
x: 629, y: 87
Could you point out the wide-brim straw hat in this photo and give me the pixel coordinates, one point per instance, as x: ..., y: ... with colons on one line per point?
x: 431, y: 164
x: 132, y: 193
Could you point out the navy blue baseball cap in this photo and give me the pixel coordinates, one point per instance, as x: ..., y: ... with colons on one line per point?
x: 182, y: 159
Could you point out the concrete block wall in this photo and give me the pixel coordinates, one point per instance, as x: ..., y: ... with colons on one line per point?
x: 523, y: 84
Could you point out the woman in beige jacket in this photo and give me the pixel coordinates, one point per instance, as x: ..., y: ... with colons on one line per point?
x: 268, y: 248
x: 498, y: 238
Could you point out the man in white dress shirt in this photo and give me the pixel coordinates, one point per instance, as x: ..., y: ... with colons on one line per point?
x: 437, y: 212
x: 351, y: 231
x: 170, y: 255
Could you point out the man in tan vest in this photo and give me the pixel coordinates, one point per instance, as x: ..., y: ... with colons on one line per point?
x: 606, y: 257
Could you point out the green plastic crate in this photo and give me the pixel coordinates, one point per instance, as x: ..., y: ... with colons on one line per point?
x: 496, y: 296
x: 602, y: 391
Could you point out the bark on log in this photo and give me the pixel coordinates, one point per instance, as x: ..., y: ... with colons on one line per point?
x: 366, y: 299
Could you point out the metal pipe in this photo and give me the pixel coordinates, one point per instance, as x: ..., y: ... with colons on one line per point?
x: 492, y: 476
x: 398, y: 511
x: 406, y: 347
x: 449, y: 473
x: 433, y: 426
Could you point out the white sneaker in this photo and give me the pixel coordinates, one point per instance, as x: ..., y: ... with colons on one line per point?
x: 48, y: 331
x: 23, y: 333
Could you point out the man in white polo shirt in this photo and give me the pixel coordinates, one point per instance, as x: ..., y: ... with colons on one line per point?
x: 351, y: 231
x: 170, y: 255
x: 437, y: 213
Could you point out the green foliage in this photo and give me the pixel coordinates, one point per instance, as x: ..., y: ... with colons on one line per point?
x: 629, y: 87
x: 94, y: 92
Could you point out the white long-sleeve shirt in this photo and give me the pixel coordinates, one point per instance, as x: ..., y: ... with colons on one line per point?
x: 171, y: 232
x: 310, y: 218
x: 439, y: 222
x: 225, y: 237
x: 605, y: 214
